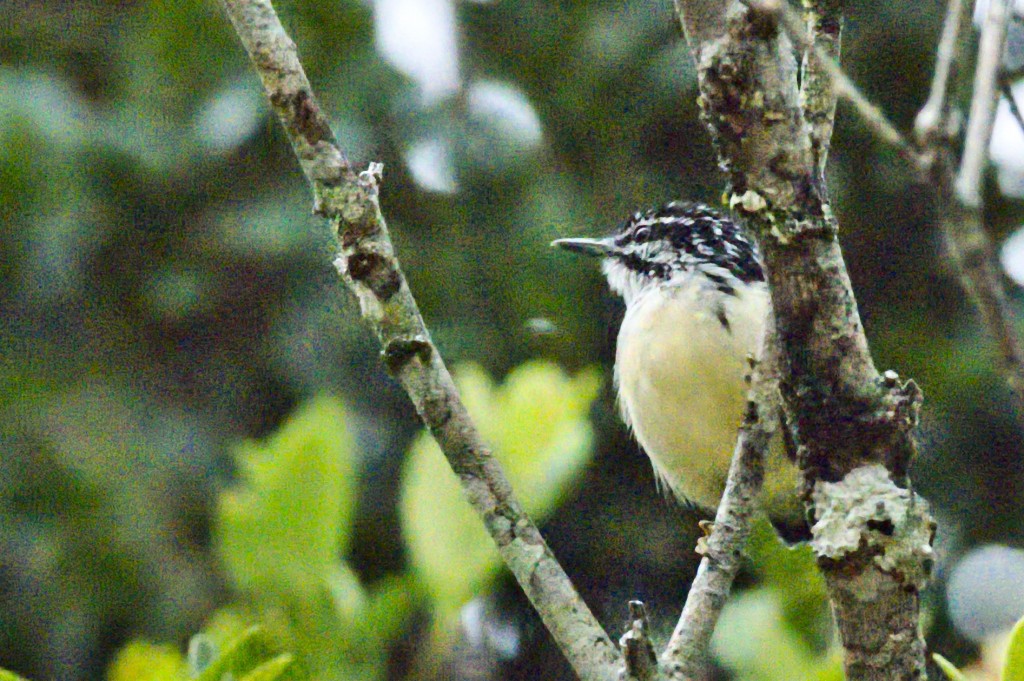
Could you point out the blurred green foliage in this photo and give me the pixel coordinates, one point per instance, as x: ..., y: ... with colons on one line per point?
x: 537, y: 422
x: 145, y: 661
x: 9, y: 676
x: 1001, y: 660
x: 282, y: 533
x: 165, y: 294
x: 756, y: 643
x: 248, y: 655
x: 801, y: 602
x: 1013, y: 664
x: 782, y: 629
x: 281, y: 530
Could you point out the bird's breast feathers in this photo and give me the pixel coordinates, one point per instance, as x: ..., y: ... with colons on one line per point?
x: 681, y: 361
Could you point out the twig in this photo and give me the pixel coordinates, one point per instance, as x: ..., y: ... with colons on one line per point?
x: 1014, y: 73
x: 817, y: 92
x: 369, y: 268
x: 931, y: 127
x: 1006, y: 87
x: 637, y: 647
x: 959, y: 205
x: 686, y: 655
x: 983, y: 104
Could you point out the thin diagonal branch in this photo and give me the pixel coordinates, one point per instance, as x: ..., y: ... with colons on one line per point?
x: 1006, y: 88
x: 686, y: 656
x: 370, y: 269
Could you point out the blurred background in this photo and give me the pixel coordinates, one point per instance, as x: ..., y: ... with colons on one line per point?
x: 170, y: 317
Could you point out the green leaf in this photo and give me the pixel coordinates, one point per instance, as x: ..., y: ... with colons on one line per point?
x: 280, y: 668
x: 388, y: 607
x: 222, y: 628
x: 10, y: 676
x: 281, y: 531
x: 537, y: 422
x: 1013, y: 667
x: 753, y: 641
x: 240, y: 656
x: 144, y: 661
x: 348, y: 597
x: 448, y: 547
x: 830, y: 667
x: 948, y: 668
x: 543, y: 436
x: 791, y: 573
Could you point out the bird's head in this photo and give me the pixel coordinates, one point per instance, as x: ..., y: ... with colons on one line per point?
x: 667, y: 245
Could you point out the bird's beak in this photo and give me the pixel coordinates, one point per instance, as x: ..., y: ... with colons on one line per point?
x: 602, y: 247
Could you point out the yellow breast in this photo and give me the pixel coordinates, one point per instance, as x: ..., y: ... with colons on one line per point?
x: 680, y: 374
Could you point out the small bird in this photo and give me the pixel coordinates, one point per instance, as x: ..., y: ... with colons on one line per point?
x: 696, y: 300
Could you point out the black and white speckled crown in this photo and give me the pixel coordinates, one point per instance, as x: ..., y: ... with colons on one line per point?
x: 684, y: 237
x: 678, y: 244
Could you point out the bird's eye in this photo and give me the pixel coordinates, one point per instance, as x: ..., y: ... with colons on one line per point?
x: 642, y: 235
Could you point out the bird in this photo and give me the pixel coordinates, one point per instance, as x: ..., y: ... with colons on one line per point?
x: 696, y: 302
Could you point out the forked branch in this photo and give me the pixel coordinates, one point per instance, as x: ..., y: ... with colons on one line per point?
x: 853, y: 426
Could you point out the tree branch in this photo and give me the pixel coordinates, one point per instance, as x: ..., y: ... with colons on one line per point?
x: 829, y: 79
x: 969, y: 245
x: 686, y: 656
x: 1006, y: 88
x: 958, y: 192
x: 371, y: 271
x: 853, y: 427
x: 817, y: 92
x: 932, y: 125
x: 637, y: 647
x: 983, y: 104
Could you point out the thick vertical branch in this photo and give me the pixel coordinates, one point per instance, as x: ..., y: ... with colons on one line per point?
x: 853, y: 427
x: 369, y: 267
